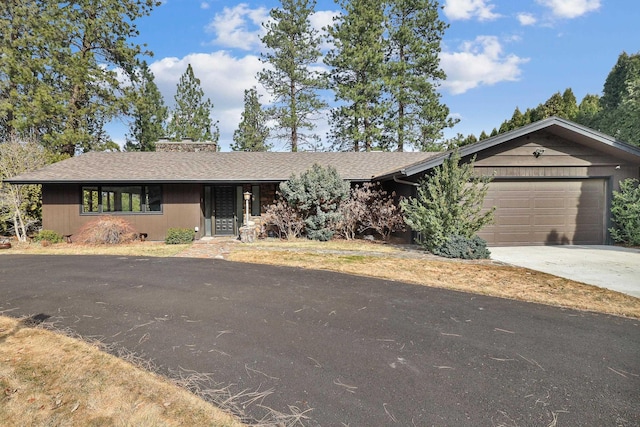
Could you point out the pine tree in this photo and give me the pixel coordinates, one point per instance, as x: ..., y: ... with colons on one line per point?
x: 149, y: 113
x: 588, y: 111
x: 252, y: 132
x: 414, y: 32
x: 72, y: 56
x: 292, y: 47
x: 357, y: 61
x: 570, y: 103
x: 620, y: 101
x: 191, y: 116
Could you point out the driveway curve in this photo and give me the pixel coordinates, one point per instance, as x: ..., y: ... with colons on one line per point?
x: 355, y: 351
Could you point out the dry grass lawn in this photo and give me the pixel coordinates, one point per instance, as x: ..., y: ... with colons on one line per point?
x: 50, y: 379
x: 480, y: 277
x: 151, y: 249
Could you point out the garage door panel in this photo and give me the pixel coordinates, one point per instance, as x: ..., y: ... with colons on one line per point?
x: 546, y: 211
x: 517, y: 220
x: 550, y: 220
x: 513, y: 203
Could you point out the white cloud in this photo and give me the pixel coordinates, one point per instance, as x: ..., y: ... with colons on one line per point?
x: 239, y: 27
x: 223, y: 79
x: 480, y: 62
x: 320, y: 20
x: 526, y: 19
x: 204, y: 5
x: 467, y: 9
x: 570, y: 8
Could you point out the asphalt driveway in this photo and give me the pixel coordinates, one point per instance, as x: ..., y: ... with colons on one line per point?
x: 610, y: 267
x: 356, y: 351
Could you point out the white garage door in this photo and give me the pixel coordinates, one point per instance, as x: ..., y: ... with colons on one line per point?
x: 546, y: 212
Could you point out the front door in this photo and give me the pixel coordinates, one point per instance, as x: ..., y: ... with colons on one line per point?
x: 224, y: 201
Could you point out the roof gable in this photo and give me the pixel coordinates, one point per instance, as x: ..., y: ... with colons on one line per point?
x: 554, y: 125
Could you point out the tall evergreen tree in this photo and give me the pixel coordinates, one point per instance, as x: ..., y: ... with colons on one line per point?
x: 626, y: 69
x: 620, y: 101
x: 252, y: 132
x: 570, y: 104
x: 414, y: 31
x: 149, y: 113
x: 191, y: 116
x: 588, y: 111
x: 70, y: 53
x: 293, y: 46
x: 20, y: 68
x: 357, y: 62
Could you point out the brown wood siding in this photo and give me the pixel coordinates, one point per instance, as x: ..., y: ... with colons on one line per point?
x: 558, y: 152
x: 180, y: 208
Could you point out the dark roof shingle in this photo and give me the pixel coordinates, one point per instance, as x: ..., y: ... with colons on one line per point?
x: 217, y: 167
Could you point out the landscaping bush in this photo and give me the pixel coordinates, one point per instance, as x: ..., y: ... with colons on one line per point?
x: 49, y: 236
x: 456, y: 246
x: 107, y: 230
x: 625, y: 210
x: 450, y: 202
x: 316, y: 196
x: 177, y: 236
x: 369, y: 209
x: 286, y: 220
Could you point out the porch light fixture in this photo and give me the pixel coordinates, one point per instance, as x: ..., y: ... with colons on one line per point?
x: 247, y: 197
x: 538, y: 152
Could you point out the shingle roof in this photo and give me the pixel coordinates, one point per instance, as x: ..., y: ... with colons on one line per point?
x: 216, y: 167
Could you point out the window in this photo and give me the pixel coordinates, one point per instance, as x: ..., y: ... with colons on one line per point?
x: 255, y: 200
x: 121, y: 198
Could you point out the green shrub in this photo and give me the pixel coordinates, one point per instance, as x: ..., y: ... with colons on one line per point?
x: 106, y: 230
x: 177, y: 236
x: 316, y: 196
x: 456, y: 246
x: 449, y: 202
x: 48, y: 235
x: 625, y: 209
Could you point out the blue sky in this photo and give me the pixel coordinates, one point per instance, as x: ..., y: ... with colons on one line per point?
x: 498, y: 54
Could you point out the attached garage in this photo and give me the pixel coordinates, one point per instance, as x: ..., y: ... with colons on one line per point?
x: 552, y: 182
x: 547, y: 212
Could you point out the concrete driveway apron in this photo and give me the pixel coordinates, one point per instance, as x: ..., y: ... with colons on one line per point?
x: 610, y: 267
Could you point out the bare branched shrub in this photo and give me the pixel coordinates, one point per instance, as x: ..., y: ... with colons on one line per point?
x: 106, y: 230
x: 287, y: 221
x: 370, y: 209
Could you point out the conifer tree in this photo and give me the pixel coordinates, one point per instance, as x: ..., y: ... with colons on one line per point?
x: 414, y: 32
x: 149, y: 113
x: 448, y: 203
x: 293, y: 46
x: 191, y: 116
x: 620, y: 101
x: 71, y: 57
x: 252, y: 132
x: 588, y: 111
x: 357, y: 62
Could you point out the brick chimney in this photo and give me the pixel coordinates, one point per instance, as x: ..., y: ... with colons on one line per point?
x: 187, y: 145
